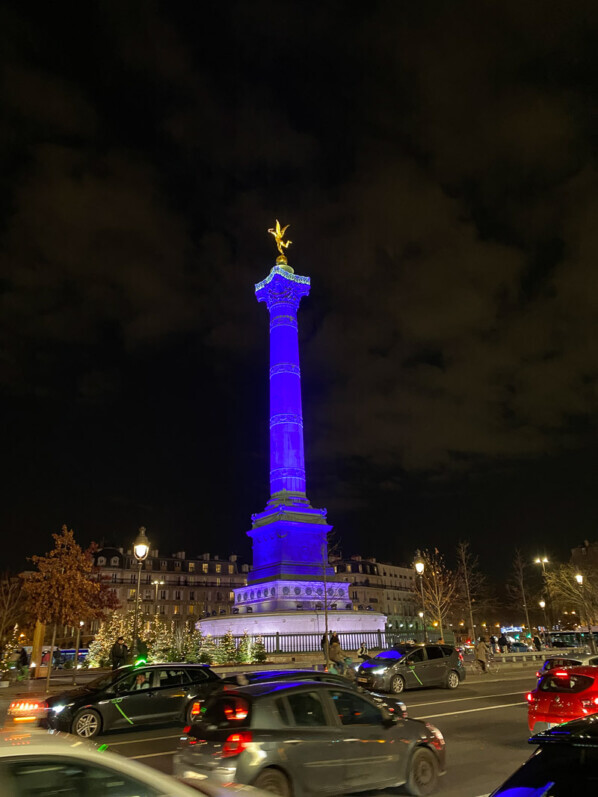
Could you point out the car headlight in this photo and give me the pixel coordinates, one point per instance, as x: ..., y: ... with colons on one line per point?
x: 57, y: 709
x: 379, y: 670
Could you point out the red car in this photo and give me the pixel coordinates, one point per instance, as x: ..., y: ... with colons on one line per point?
x: 562, y: 695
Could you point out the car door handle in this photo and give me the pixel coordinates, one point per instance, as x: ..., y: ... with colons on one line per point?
x: 351, y: 740
x: 292, y: 741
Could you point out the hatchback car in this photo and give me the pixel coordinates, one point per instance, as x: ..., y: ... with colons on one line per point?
x: 411, y: 667
x: 34, y: 762
x: 570, y: 660
x: 309, y: 738
x: 562, y: 695
x: 130, y: 697
x: 565, y: 764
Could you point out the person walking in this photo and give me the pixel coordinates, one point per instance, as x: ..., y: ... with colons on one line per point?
x: 119, y: 653
x: 503, y: 643
x: 481, y: 653
x: 537, y: 642
x: 323, y: 646
x: 334, y: 638
x: 337, y: 657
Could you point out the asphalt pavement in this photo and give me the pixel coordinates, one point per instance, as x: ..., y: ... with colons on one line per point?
x: 484, y: 723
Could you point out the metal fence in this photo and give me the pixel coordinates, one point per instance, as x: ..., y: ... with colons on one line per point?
x: 349, y: 640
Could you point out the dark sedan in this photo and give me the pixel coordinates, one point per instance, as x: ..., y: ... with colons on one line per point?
x: 411, y: 667
x: 309, y: 738
x: 130, y: 697
x: 565, y: 763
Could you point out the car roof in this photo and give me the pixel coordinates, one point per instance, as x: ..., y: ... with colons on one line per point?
x: 270, y: 687
x: 578, y: 733
x: 574, y: 656
x: 581, y: 669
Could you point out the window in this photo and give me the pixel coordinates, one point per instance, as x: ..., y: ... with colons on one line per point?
x: 204, y: 567
x: 417, y: 655
x: 177, y: 565
x: 219, y: 568
x: 132, y: 594
x: 114, y: 578
x: 133, y: 578
x: 177, y: 594
x: 191, y: 609
x: 163, y: 564
x: 102, y: 560
x: 53, y: 776
x: 133, y: 682
x: 192, y: 595
x: 192, y: 567
x: 176, y: 609
x: 173, y: 676
x: 565, y: 683
x: 307, y: 709
x: 163, y: 594
x: 114, y: 561
x: 231, y: 569
x: 434, y: 652
x: 354, y: 710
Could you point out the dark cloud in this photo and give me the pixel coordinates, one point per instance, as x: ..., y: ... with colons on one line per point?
x: 437, y: 163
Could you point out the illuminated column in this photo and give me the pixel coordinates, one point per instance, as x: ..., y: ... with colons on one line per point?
x: 282, y: 291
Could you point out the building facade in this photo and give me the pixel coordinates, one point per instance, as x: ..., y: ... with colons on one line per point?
x: 382, y: 587
x: 174, y: 586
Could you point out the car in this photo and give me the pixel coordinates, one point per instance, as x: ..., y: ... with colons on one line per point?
x: 565, y: 763
x: 411, y: 667
x: 53, y: 764
x: 570, y: 660
x: 562, y: 695
x: 521, y: 647
x: 308, y: 738
x: 392, y: 705
x: 131, y: 696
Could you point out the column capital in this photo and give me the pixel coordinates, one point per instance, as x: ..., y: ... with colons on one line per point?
x: 282, y: 287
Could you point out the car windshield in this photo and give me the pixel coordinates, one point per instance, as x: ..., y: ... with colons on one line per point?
x: 565, y: 682
x: 393, y: 655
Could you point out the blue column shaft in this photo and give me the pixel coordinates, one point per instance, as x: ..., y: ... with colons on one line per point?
x: 287, y: 460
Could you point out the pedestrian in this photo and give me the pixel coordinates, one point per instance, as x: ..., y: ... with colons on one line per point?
x: 537, y: 642
x: 481, y: 653
x: 334, y: 638
x: 23, y: 664
x: 323, y: 642
x: 363, y: 652
x: 493, y: 643
x: 503, y: 643
x: 119, y: 653
x: 337, y: 657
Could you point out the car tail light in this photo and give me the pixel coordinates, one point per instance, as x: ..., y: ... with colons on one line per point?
x: 560, y: 674
x: 191, y: 740
x: 236, y: 743
x: 538, y: 673
x: 529, y: 697
x: 236, y: 712
x: 27, y: 710
x: 195, y: 709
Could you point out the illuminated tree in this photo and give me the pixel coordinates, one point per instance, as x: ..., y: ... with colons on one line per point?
x: 12, y: 606
x: 114, y: 626
x: 64, y: 589
x: 227, y: 648
x: 245, y: 649
x: 208, y: 653
x: 259, y: 650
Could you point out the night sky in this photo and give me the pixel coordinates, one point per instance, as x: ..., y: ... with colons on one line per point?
x: 437, y: 164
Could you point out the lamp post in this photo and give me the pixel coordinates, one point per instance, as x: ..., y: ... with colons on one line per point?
x: 420, y: 566
x: 543, y: 561
x: 542, y: 605
x: 76, y: 662
x: 156, y: 585
x: 586, y: 612
x: 141, y: 550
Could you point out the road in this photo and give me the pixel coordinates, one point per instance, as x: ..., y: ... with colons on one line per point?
x: 484, y: 723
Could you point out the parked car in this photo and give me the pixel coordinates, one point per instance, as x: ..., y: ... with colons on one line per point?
x: 309, y: 738
x: 564, y: 764
x: 562, y: 695
x: 521, y: 647
x: 131, y: 696
x: 35, y: 762
x: 391, y: 704
x: 570, y: 660
x: 411, y: 667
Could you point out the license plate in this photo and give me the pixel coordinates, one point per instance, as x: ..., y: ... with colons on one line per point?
x: 362, y: 680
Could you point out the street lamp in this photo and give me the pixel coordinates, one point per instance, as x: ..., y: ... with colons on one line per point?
x: 140, y: 549
x: 76, y: 662
x: 542, y: 605
x: 586, y: 613
x: 420, y: 566
x: 541, y: 560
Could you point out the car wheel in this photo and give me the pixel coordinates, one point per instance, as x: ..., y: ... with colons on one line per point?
x: 423, y: 773
x: 397, y: 684
x: 273, y: 781
x: 87, y: 723
x: 452, y: 680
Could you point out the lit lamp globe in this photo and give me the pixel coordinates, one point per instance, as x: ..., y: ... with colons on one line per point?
x: 579, y: 579
x: 141, y: 545
x: 419, y: 566
x: 542, y: 604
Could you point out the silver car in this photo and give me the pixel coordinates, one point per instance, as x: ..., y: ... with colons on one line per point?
x: 568, y: 660
x: 309, y: 738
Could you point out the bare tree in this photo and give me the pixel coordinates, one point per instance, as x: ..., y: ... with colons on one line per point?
x: 570, y: 586
x: 12, y: 605
x: 439, y: 588
x: 472, y: 589
x: 516, y: 589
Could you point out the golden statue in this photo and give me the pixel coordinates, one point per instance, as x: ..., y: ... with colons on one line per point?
x: 278, y: 234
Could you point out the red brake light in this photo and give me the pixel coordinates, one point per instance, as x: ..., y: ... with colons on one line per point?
x: 236, y: 712
x: 560, y: 674
x: 236, y: 743
x: 529, y: 697
x: 195, y: 709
